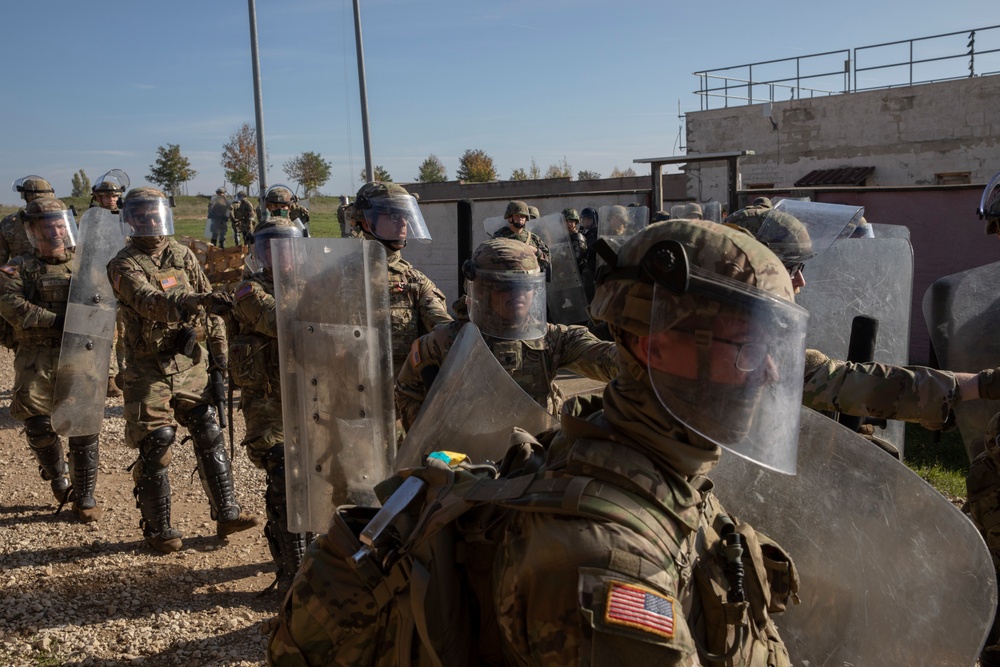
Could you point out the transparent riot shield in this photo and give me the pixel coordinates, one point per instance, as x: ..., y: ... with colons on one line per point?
x: 493, y: 225
x: 564, y: 295
x: 471, y: 407
x: 336, y: 378
x: 616, y: 224
x: 962, y: 312
x: 85, y: 353
x: 890, y: 231
x: 871, y: 277
x: 713, y: 211
x: 891, y: 572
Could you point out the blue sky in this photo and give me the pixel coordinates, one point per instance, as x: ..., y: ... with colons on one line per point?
x: 598, y: 83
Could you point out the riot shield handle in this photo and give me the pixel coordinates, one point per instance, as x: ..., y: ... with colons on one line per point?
x: 383, y: 529
x: 860, y: 349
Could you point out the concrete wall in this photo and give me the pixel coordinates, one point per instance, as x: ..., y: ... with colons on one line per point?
x: 908, y: 134
x: 440, y: 259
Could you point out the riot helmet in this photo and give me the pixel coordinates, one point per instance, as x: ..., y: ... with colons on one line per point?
x: 506, y: 290
x: 533, y: 213
x: 704, y: 315
x: 588, y: 217
x: 390, y: 214
x: 220, y: 191
x: 687, y: 211
x: 618, y: 220
x: 108, y: 189
x: 989, y: 205
x: 147, y: 212
x: 260, y: 251
x: 50, y: 227
x: 33, y: 187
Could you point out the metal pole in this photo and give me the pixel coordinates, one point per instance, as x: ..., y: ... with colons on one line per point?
x: 369, y: 173
x: 258, y: 104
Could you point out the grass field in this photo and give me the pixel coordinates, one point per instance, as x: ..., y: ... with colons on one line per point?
x: 941, y: 461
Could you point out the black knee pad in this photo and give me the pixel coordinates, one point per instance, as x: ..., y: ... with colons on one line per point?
x: 39, y: 432
x: 203, y: 427
x: 154, y: 450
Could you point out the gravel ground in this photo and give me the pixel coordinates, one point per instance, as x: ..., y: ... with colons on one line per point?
x: 75, y: 594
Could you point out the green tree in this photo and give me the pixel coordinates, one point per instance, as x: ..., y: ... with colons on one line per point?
x: 239, y: 156
x: 81, y: 184
x: 560, y: 170
x: 519, y: 174
x: 475, y: 166
x: 534, y: 173
x: 432, y: 171
x: 171, y: 169
x: 309, y: 170
x: 380, y: 173
x: 587, y: 175
x: 618, y: 173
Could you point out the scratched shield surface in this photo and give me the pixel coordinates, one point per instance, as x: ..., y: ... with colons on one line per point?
x: 871, y: 277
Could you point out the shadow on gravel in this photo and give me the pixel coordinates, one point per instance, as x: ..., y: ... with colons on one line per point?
x: 182, y: 652
x: 33, y: 514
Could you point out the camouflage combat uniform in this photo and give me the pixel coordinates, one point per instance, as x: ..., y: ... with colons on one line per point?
x: 416, y: 306
x: 907, y: 393
x: 218, y: 215
x: 242, y: 218
x: 533, y: 364
x: 983, y: 507
x: 13, y: 238
x: 524, y: 236
x: 299, y: 212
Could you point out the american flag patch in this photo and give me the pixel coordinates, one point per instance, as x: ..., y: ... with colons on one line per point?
x: 167, y: 283
x: 640, y: 608
x: 244, y: 291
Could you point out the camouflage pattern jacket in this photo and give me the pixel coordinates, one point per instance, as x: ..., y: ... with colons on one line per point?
x: 907, y: 393
x: 242, y: 217
x: 151, y: 293
x: 13, y: 237
x: 253, y: 342
x: 533, y: 364
x: 218, y: 208
x: 416, y: 306
x: 34, y: 295
x: 532, y: 239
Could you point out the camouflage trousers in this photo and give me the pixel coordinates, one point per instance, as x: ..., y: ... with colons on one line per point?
x: 154, y: 400
x: 118, y: 347
x: 262, y: 414
x: 34, y: 380
x: 983, y: 504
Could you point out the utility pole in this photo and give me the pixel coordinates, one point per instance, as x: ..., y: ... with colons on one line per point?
x: 369, y: 169
x: 257, y: 101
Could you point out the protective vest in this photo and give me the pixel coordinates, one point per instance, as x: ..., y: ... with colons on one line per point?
x: 46, y: 286
x: 404, y: 310
x: 160, y: 340
x: 528, y: 364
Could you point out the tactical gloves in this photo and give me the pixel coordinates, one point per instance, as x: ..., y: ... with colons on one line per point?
x: 214, y: 303
x: 989, y: 384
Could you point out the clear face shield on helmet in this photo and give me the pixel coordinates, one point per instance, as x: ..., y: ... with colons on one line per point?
x: 726, y: 359
x: 19, y: 184
x: 508, y: 305
x: 395, y: 219
x: 989, y: 204
x: 147, y: 216
x: 260, y: 257
x: 52, y: 233
x: 821, y: 225
x: 114, y: 180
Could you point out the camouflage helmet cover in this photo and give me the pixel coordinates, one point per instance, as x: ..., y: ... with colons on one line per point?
x: 220, y: 191
x: 278, y: 194
x: 784, y: 234
x: 502, y: 255
x: 570, y: 214
x: 516, y: 208
x: 375, y: 190
x: 40, y: 207
x: 533, y: 213
x: 33, y: 184
x: 625, y: 301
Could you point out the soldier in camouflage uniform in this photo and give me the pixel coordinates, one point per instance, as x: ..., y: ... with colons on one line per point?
x: 517, y: 215
x: 107, y: 193
x: 242, y: 218
x: 33, y: 301
x: 588, y: 227
x: 533, y: 213
x: 387, y: 213
x: 577, y: 240
x: 507, y: 302
x: 13, y: 238
x: 253, y: 356
x: 218, y: 216
x: 169, y: 310
x: 299, y: 212
x: 608, y: 546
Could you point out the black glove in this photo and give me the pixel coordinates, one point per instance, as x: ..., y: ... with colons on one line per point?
x: 59, y: 321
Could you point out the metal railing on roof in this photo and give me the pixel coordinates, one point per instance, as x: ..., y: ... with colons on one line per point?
x: 924, y: 59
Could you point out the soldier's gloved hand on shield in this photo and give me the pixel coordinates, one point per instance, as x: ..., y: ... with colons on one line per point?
x: 59, y: 321
x: 989, y: 384
x: 216, y: 303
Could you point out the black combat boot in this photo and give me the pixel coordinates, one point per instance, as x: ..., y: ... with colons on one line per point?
x: 48, y: 451
x: 84, y: 457
x: 216, y: 473
x: 152, y: 491
x: 287, y: 548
